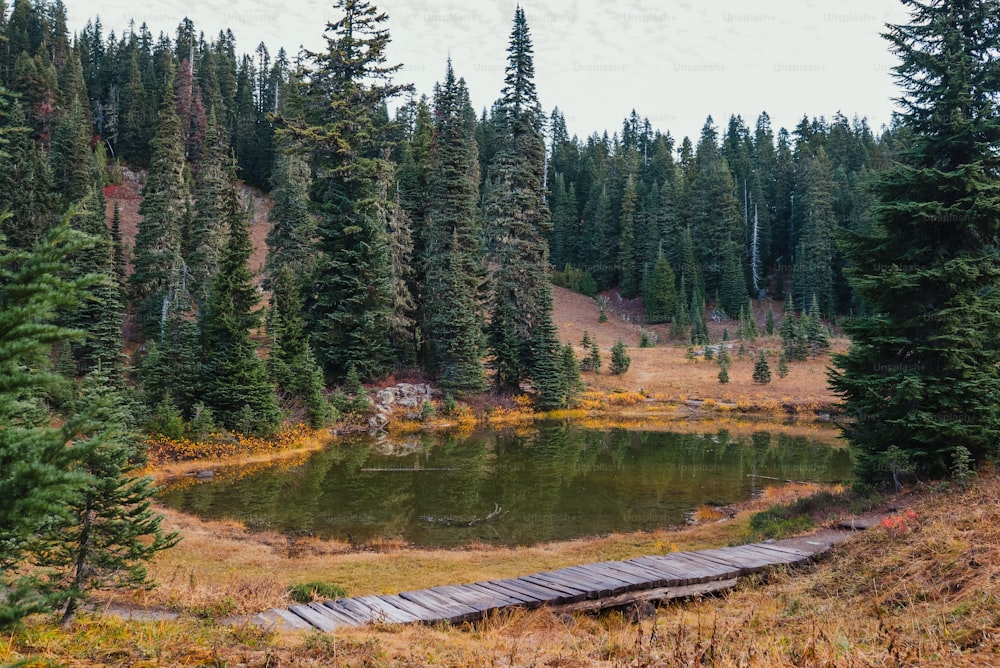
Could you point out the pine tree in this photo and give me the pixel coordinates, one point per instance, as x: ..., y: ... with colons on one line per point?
x: 291, y: 362
x: 235, y: 381
x: 723, y: 371
x: 922, y: 373
x: 521, y: 294
x: 660, y: 298
x: 782, y: 364
x: 38, y: 477
x: 350, y: 298
x: 110, y: 530
x: 157, y: 252
x: 620, y: 360
x: 628, y: 266
x: 769, y: 325
x: 452, y: 264
x: 290, y: 241
x: 815, y: 331
x: 761, y: 370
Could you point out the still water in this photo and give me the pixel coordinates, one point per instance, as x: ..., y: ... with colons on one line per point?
x: 554, y: 481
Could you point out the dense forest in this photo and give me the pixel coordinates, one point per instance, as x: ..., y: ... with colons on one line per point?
x: 411, y: 232
x: 397, y: 236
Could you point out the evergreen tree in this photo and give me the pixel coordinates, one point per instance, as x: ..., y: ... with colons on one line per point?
x: 521, y: 296
x: 37, y: 476
x: 157, y: 252
x: 110, y: 530
x: 235, y: 381
x: 350, y: 298
x: 290, y: 241
x: 782, y: 364
x: 628, y: 266
x: 291, y: 362
x: 620, y: 360
x: 660, y: 297
x: 769, y: 325
x: 922, y: 373
x: 723, y: 371
x: 452, y: 265
x: 761, y: 370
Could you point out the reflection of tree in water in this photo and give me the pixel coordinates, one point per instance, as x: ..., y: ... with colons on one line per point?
x: 555, y: 481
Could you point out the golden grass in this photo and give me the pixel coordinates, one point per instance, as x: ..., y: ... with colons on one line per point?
x: 925, y: 595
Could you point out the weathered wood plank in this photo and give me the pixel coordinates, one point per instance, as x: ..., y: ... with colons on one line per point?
x: 568, y: 593
x: 654, y: 578
x: 623, y: 581
x: 632, y: 579
x: 319, y: 621
x: 681, y: 576
x: 450, y: 609
x: 786, y: 548
x: 701, y: 568
x: 536, y: 593
x: 422, y: 613
x: 477, y: 600
x: 280, y: 618
x: 609, y: 584
x: 692, y: 573
x: 593, y: 585
x: 659, y: 594
x: 561, y: 593
x: 358, y: 609
x: 387, y: 612
x: 340, y: 614
x: 790, y: 556
x: 517, y: 598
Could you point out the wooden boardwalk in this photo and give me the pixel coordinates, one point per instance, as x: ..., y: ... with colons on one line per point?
x: 591, y: 587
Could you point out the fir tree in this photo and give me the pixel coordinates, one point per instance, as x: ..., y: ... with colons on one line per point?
x: 782, y: 364
x: 922, y: 373
x: 157, y: 252
x: 628, y: 268
x: 452, y: 264
x: 723, y: 371
x: 660, y: 298
x: 350, y: 298
x: 235, y: 381
x: 620, y: 360
x: 519, y: 218
x: 110, y: 530
x: 769, y: 325
x: 37, y: 463
x: 761, y: 370
x: 291, y: 362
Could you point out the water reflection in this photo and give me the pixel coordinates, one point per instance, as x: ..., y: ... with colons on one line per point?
x: 554, y: 482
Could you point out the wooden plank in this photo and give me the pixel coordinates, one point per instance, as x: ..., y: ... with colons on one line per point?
x: 701, y: 568
x: 448, y: 609
x: 387, y: 612
x: 359, y: 609
x: 742, y: 562
x: 567, y: 593
x: 657, y: 564
x: 476, y: 598
x: 792, y: 556
x: 539, y: 595
x: 786, y: 548
x: 420, y: 612
x: 609, y: 584
x: 276, y: 618
x: 516, y: 598
x: 659, y: 594
x: 316, y: 619
x: 652, y: 577
x: 624, y: 581
x: 595, y: 587
x: 710, y: 559
x: 759, y: 559
x: 339, y: 613
x: 691, y: 573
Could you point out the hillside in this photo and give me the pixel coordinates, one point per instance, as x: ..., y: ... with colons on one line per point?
x: 662, y: 372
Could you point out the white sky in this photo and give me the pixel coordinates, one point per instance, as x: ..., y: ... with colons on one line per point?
x: 675, y: 61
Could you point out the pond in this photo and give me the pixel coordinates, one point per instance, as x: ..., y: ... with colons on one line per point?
x: 552, y: 481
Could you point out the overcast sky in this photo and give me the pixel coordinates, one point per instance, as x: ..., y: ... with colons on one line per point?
x: 673, y: 61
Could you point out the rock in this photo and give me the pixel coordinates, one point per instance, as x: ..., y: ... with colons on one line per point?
x: 204, y: 473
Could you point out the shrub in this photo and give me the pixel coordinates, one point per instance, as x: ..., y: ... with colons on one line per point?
x: 308, y: 592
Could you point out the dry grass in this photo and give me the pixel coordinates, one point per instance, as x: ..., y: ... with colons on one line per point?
x: 928, y: 595
x: 664, y: 372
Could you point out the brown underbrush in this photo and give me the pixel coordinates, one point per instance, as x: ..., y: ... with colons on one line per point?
x: 921, y: 589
